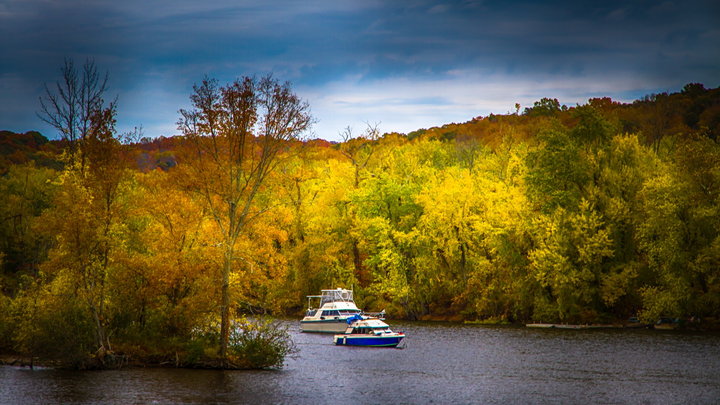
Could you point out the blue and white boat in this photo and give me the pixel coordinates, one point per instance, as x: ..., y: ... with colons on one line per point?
x: 369, y: 332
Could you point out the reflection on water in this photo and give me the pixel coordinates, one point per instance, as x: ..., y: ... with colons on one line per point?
x: 440, y: 364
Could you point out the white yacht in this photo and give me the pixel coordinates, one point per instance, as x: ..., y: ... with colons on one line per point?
x: 329, y: 311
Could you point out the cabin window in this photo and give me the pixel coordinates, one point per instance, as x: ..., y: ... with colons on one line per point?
x: 330, y: 313
x: 311, y: 312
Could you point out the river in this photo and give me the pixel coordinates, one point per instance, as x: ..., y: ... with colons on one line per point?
x: 441, y: 363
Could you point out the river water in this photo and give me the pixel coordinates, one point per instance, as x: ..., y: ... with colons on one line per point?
x: 441, y: 363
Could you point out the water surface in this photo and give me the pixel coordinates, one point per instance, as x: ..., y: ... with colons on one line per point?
x: 441, y: 363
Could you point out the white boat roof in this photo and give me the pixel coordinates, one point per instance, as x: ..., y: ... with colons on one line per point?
x: 372, y: 323
x: 339, y: 306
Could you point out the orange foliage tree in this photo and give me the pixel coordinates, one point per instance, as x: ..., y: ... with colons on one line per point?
x: 237, y: 132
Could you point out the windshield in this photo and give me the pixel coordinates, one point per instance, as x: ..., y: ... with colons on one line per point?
x: 336, y: 295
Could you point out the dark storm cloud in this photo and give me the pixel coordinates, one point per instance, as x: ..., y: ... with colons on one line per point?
x: 345, y: 52
x: 538, y: 37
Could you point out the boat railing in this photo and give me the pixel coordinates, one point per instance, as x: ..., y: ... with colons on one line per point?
x: 329, y: 296
x: 380, y: 315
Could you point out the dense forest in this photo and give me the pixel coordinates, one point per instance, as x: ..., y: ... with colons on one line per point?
x: 585, y: 214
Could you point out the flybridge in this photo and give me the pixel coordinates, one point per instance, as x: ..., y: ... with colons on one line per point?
x: 337, y: 298
x: 337, y: 295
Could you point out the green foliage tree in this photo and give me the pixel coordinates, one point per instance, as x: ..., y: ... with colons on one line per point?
x: 568, y: 263
x: 592, y: 126
x: 558, y: 172
x: 51, y: 324
x: 680, y: 232
x: 544, y: 107
x: 25, y: 191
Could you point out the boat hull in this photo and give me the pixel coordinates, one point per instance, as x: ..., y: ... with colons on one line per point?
x: 369, y: 341
x: 324, y: 326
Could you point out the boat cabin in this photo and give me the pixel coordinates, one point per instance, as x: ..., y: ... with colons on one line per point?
x: 332, y: 312
x: 327, y: 312
x: 365, y: 326
x: 362, y: 330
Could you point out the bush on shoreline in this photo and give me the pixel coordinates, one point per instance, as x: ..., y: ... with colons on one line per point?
x: 254, y: 344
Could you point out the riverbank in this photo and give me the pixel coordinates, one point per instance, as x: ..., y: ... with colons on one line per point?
x: 18, y: 361
x: 681, y: 325
x: 141, y: 359
x: 590, y: 326
x: 114, y: 362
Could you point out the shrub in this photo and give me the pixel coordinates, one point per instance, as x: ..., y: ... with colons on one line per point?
x: 252, y: 344
x: 6, y: 323
x: 260, y: 343
x: 62, y: 332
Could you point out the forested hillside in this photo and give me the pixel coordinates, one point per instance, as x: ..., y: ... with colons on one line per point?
x: 584, y: 214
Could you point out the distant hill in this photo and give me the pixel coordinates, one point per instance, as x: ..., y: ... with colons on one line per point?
x: 694, y: 109
x: 21, y: 148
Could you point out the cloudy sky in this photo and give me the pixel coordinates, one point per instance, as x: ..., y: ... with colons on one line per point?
x: 403, y: 64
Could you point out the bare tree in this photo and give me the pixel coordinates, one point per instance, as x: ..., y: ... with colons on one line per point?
x: 359, y: 149
x: 71, y: 103
x: 237, y: 132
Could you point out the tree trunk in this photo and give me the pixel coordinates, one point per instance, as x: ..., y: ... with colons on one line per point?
x: 357, y: 263
x: 99, y: 330
x: 225, y: 306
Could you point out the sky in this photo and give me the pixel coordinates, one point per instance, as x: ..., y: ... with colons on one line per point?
x: 398, y: 65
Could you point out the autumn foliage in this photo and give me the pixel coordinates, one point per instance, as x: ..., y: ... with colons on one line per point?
x: 587, y: 214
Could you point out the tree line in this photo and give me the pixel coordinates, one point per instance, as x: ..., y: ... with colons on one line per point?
x: 161, y: 248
